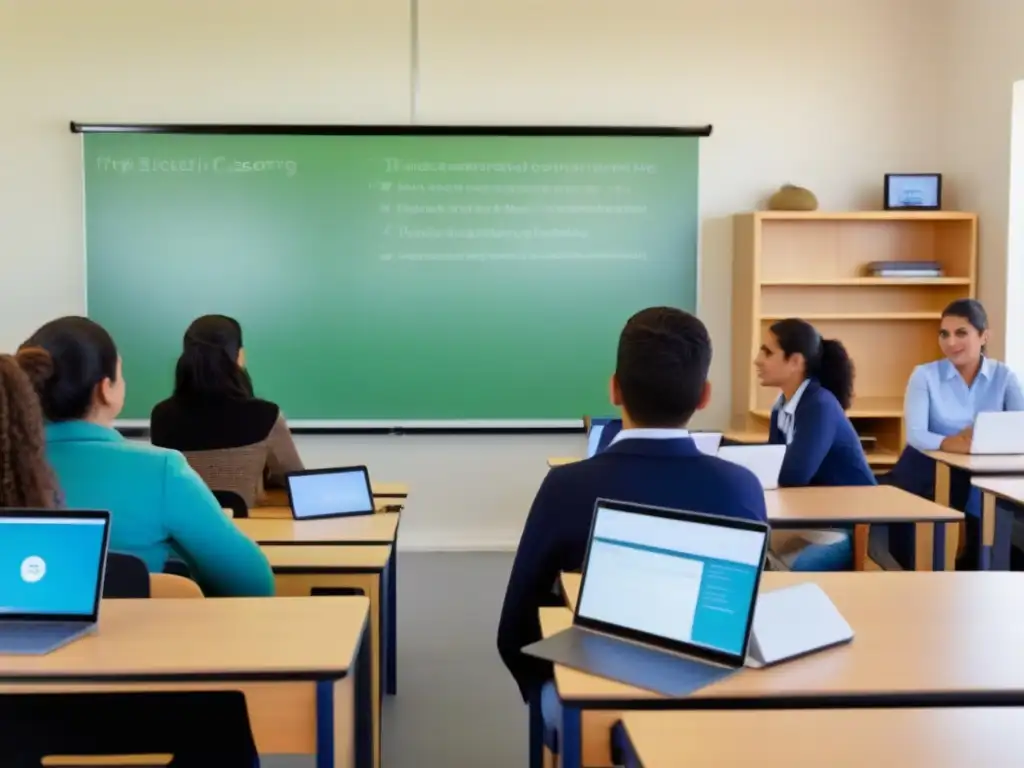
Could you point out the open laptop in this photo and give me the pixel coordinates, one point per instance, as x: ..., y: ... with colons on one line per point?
x: 337, y: 492
x: 998, y: 433
x: 52, y: 565
x: 667, y: 598
x: 765, y: 461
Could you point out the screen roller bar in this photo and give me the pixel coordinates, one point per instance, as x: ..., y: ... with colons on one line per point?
x: 391, y: 130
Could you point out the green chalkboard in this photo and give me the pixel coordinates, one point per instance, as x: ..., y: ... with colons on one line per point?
x: 391, y: 278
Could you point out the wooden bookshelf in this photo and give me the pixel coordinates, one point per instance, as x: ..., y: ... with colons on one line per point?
x: 813, y: 265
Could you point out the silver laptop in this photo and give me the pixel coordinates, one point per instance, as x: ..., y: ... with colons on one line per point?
x: 998, y: 433
x: 52, y: 565
x: 667, y: 598
x: 765, y: 461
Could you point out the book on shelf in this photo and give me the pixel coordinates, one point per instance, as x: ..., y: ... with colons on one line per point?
x: 904, y: 269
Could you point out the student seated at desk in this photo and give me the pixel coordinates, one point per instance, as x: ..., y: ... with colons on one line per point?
x: 660, y: 380
x: 942, y: 401
x: 235, y: 441
x: 26, y: 479
x: 159, y: 506
x: 816, y: 379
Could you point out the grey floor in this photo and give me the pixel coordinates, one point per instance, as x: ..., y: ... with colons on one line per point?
x: 456, y: 705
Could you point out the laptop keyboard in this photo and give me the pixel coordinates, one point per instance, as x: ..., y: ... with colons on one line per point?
x: 36, y: 636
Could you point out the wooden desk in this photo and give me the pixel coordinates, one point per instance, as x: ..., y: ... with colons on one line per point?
x: 284, y: 512
x: 561, y: 461
x: 938, y: 738
x: 300, y: 663
x: 302, y: 571
x: 380, y: 529
x: 972, y: 465
x: 921, y: 639
x: 935, y: 526
x: 999, y: 497
x: 360, y: 529
x: 278, y: 497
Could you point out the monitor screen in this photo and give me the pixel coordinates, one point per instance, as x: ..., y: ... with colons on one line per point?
x: 328, y: 494
x: 50, y: 566
x: 692, y: 583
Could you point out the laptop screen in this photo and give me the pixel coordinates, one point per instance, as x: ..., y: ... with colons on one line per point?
x: 330, y: 493
x: 691, y: 582
x: 51, y: 566
x: 594, y: 438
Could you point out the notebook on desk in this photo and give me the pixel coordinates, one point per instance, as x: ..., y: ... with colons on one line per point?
x: 998, y: 433
x: 337, y: 492
x: 52, y: 565
x: 666, y: 600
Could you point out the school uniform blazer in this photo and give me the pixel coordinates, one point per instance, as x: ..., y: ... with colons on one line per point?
x: 158, y: 507
x: 663, y: 472
x: 825, y: 448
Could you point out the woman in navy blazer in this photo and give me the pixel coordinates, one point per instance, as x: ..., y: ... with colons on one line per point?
x: 816, y: 379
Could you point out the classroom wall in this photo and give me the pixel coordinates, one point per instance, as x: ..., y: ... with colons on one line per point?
x: 830, y: 94
x: 985, y: 56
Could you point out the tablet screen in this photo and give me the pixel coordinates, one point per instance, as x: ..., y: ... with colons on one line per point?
x: 326, y: 494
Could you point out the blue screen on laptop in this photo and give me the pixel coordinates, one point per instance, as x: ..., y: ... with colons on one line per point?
x: 330, y: 493
x: 49, y: 566
x: 686, y: 581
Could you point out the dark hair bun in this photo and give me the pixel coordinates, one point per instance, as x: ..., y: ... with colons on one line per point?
x: 37, y: 365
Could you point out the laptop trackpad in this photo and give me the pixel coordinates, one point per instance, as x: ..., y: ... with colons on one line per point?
x: 630, y: 663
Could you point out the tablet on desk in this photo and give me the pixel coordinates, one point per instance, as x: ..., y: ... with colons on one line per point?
x: 336, y: 492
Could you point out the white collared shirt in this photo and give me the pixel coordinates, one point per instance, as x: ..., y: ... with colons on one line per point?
x: 649, y: 433
x: 787, y: 411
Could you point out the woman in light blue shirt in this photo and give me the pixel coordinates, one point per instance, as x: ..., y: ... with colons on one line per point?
x: 942, y: 401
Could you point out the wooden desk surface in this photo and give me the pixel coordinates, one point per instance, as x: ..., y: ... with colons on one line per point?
x: 1009, y: 488
x: 837, y: 738
x: 327, y: 559
x: 224, y: 639
x: 916, y: 633
x: 980, y: 465
x: 853, y: 504
x: 380, y: 503
x: 561, y: 461
x: 362, y: 529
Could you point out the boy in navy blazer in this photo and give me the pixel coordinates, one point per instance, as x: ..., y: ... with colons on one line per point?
x: 660, y: 380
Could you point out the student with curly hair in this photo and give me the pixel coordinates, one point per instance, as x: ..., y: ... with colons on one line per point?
x: 26, y: 479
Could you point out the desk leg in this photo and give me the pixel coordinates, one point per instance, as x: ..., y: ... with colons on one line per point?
x: 368, y: 739
x: 570, y: 740
x: 923, y: 549
x: 391, y: 608
x: 623, y: 751
x: 536, y: 732
x: 988, y: 531
x: 938, y: 546
x: 1002, y: 538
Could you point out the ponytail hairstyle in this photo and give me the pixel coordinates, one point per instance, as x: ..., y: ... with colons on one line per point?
x: 824, y: 359
x: 208, y: 368
x: 26, y: 479
x: 67, y: 359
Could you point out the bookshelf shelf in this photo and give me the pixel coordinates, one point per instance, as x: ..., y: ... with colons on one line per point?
x: 812, y: 265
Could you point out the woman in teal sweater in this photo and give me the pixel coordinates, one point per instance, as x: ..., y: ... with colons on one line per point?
x: 159, y: 506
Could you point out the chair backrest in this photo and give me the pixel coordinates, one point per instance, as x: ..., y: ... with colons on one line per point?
x: 233, y: 501
x: 166, y: 585
x: 126, y: 577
